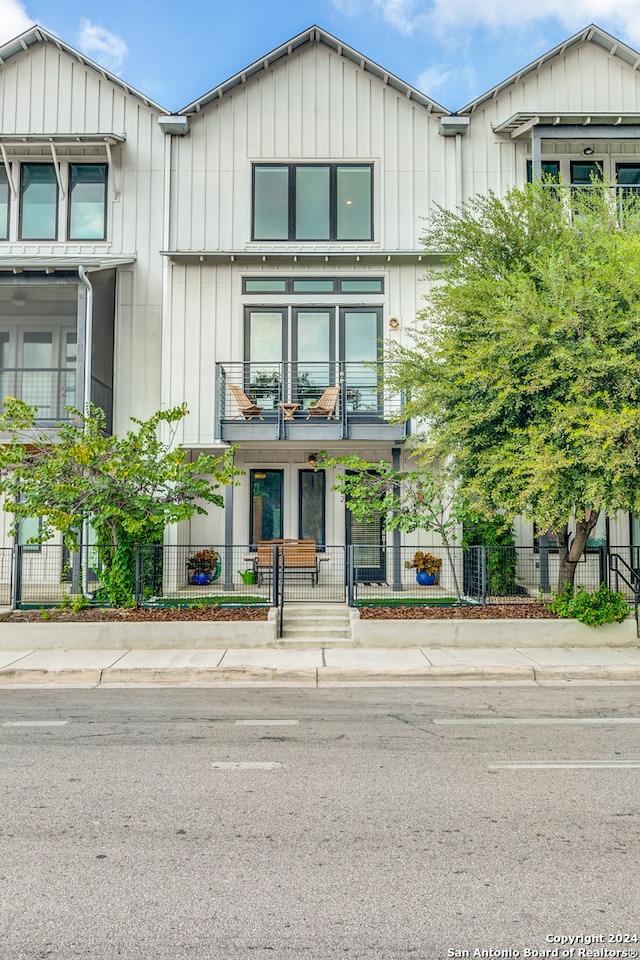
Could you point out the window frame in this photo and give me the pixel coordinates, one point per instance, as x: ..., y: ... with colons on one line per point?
x: 71, y: 165
x: 23, y: 166
x: 333, y: 202
x: 5, y: 229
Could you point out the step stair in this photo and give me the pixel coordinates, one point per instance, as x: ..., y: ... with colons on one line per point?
x: 308, y: 625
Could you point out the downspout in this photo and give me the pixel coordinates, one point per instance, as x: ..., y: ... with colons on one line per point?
x: 165, y: 392
x: 88, y: 345
x: 451, y: 126
x: 458, y: 169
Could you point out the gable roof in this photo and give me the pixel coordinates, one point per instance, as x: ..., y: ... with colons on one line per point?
x: 590, y: 34
x: 37, y: 34
x: 315, y: 35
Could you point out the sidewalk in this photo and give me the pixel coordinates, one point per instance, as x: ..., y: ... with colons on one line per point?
x: 315, y: 667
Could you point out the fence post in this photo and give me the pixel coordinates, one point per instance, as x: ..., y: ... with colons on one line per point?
x: 483, y: 575
x: 274, y: 576
x: 17, y: 576
x: 350, y: 583
x: 138, y: 583
x: 603, y: 551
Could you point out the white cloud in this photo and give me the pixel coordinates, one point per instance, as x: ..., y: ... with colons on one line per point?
x: 14, y: 19
x: 448, y: 16
x: 105, y: 48
x: 433, y: 78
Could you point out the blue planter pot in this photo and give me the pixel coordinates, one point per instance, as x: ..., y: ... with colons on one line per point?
x: 425, y: 579
x: 201, y: 579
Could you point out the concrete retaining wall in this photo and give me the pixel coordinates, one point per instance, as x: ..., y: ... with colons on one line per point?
x: 175, y: 634
x: 490, y: 633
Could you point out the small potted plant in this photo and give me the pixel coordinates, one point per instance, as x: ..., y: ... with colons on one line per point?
x: 203, y: 567
x: 427, y: 567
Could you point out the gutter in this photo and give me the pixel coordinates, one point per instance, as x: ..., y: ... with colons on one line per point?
x: 88, y: 344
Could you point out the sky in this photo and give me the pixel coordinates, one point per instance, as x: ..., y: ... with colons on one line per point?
x: 451, y: 50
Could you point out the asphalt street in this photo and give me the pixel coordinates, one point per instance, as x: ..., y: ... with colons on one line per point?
x: 303, y: 824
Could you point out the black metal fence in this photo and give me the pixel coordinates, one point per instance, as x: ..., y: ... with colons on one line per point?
x: 44, y: 574
x: 478, y: 574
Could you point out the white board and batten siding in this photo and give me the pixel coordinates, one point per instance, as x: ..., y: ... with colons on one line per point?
x: 584, y: 79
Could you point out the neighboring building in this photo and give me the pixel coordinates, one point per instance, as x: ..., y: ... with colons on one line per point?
x: 81, y: 213
x: 264, y: 241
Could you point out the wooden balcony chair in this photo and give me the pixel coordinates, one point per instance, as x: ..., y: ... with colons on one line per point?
x: 248, y: 410
x: 326, y: 405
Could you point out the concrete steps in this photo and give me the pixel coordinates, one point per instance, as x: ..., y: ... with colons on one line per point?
x: 312, y: 626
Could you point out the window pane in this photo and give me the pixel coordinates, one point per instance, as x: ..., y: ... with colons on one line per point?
x: 312, y: 487
x: 628, y: 174
x: 271, y: 203
x: 362, y: 286
x: 312, y: 203
x: 550, y: 170
x: 584, y: 172
x: 312, y: 339
x: 252, y: 285
x: 4, y: 204
x: 313, y: 286
x: 354, y: 203
x: 39, y: 202
x: 265, y: 336
x: 87, y: 199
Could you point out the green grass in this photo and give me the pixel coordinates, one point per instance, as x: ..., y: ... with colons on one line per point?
x: 220, y: 600
x: 408, y: 602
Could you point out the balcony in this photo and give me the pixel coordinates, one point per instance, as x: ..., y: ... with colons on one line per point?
x: 285, y: 391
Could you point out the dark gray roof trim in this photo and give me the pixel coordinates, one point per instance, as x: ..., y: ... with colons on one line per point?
x: 38, y: 34
x: 590, y: 34
x: 315, y: 35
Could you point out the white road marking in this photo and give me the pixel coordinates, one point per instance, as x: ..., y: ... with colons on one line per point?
x: 247, y: 765
x: 491, y: 721
x: 266, y: 723
x: 566, y: 765
x: 35, y: 723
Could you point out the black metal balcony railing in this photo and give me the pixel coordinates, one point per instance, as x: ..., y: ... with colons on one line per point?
x: 361, y: 399
x: 49, y: 390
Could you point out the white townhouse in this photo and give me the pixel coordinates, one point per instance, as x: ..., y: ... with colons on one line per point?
x: 297, y: 192
x: 255, y: 253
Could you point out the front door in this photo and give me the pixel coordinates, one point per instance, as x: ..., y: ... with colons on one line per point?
x: 369, y: 554
x: 266, y: 505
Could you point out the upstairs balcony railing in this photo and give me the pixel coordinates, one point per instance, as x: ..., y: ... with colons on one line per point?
x: 49, y: 390
x: 286, y: 391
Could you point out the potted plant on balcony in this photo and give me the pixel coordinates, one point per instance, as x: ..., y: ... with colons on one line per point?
x: 427, y: 567
x: 203, y: 567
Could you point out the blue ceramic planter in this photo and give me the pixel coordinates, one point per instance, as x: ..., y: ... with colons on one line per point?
x: 425, y: 579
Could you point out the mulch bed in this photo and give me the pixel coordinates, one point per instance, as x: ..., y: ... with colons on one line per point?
x: 497, y: 611
x: 137, y: 614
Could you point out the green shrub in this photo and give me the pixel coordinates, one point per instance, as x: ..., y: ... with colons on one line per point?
x: 594, y: 609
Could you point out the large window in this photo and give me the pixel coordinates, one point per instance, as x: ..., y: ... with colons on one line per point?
x: 87, y: 201
x: 44, y: 211
x: 4, y: 204
x: 312, y: 202
x: 39, y: 202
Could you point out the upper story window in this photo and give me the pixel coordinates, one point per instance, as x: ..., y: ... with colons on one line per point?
x: 45, y: 210
x: 87, y: 201
x: 312, y: 202
x: 4, y: 204
x: 39, y: 202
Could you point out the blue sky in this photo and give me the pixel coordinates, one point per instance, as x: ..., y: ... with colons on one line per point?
x: 452, y: 50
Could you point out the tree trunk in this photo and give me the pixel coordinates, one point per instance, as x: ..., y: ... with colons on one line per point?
x: 571, y: 549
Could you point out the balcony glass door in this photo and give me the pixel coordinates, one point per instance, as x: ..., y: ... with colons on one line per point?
x: 360, y: 333
x: 313, y: 353
x: 265, y: 349
x: 266, y: 505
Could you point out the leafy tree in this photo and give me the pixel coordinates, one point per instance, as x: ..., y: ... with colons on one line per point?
x: 128, y: 487
x: 524, y: 369
x: 407, y: 500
